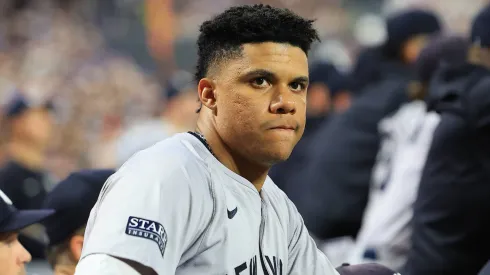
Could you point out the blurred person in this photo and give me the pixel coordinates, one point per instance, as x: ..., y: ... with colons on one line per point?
x: 328, y: 94
x: 342, y: 153
x: 180, y: 104
x: 13, y: 256
x: 105, y: 95
x: 450, y: 218
x: 176, y: 114
x: 408, y: 32
x: 367, y: 69
x: 97, y: 90
x: 191, y: 200
x: 328, y: 91
x: 385, y: 233
x: 28, y: 127
x: 72, y: 199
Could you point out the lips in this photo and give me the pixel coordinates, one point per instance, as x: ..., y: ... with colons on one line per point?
x: 284, y: 127
x: 282, y: 124
x: 292, y: 126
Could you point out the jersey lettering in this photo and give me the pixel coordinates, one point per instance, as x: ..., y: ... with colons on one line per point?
x: 274, y: 263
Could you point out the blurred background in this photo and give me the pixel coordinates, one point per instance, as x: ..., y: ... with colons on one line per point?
x: 101, y: 80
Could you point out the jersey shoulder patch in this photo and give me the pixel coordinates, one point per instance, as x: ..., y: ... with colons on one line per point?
x: 147, y: 229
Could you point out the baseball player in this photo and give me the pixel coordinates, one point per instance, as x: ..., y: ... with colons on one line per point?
x: 201, y: 202
x: 72, y: 199
x: 13, y: 256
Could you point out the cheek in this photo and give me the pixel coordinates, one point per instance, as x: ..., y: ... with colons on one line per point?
x: 6, y: 257
x: 239, y: 118
x: 238, y: 111
x: 301, y: 107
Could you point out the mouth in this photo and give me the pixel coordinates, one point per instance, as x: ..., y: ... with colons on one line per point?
x: 284, y: 128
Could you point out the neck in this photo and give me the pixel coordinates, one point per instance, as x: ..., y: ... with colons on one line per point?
x: 65, y: 264
x: 253, y: 172
x: 28, y: 156
x: 64, y: 269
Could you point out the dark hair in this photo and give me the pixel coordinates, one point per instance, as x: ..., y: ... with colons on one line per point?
x: 222, y: 37
x: 441, y: 51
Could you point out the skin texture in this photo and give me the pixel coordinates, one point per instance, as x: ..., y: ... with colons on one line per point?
x: 254, y: 107
x: 13, y: 256
x: 67, y: 262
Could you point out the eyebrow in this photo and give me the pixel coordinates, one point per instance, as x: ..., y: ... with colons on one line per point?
x: 270, y: 75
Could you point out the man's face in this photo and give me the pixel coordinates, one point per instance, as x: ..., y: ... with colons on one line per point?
x: 37, y: 126
x: 13, y: 256
x: 261, y: 101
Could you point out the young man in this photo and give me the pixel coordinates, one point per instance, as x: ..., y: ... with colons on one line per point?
x: 72, y: 199
x: 13, y: 256
x: 201, y: 202
x: 29, y: 129
x: 29, y: 125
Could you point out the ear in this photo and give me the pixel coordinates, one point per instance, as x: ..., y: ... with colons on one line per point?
x: 207, y: 93
x: 76, y: 243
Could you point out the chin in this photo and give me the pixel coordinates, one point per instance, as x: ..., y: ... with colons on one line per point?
x: 278, y: 156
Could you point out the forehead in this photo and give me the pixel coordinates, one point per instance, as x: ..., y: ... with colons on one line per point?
x: 281, y: 59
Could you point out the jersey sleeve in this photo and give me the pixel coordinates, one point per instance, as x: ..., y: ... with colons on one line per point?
x: 103, y: 264
x: 304, y: 256
x: 151, y: 213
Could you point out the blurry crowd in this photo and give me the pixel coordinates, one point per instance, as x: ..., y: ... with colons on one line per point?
x: 393, y: 167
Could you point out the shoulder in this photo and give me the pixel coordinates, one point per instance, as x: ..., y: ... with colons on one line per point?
x: 169, y: 164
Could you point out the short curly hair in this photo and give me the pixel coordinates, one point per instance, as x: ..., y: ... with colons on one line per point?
x: 222, y: 37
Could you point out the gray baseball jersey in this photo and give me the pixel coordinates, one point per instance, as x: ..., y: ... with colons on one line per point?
x: 175, y: 208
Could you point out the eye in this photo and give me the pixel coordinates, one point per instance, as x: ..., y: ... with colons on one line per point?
x: 260, y: 82
x: 297, y: 86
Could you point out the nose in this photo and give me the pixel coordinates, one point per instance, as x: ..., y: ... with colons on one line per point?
x: 23, y: 255
x: 283, y: 102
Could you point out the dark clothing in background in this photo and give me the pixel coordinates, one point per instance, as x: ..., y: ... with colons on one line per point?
x: 332, y: 189
x: 283, y: 173
x: 23, y: 186
x: 367, y: 69
x: 26, y: 190
x: 451, y: 225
